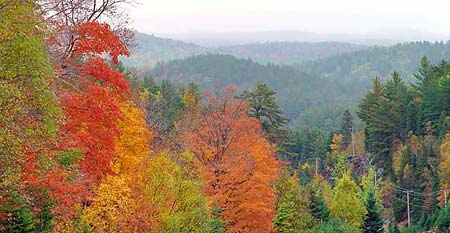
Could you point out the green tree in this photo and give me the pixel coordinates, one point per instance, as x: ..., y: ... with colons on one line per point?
x: 292, y: 214
x: 346, y: 128
x: 216, y: 224
x: 18, y: 216
x: 265, y: 108
x: 318, y: 206
x: 372, y: 221
x: 334, y: 225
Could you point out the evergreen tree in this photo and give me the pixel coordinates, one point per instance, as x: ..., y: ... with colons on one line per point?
x: 265, y: 108
x: 372, y: 222
x: 216, y: 224
x: 292, y: 214
x: 318, y: 206
x: 381, y: 118
x: 346, y: 128
x: 412, y: 117
x: 18, y: 216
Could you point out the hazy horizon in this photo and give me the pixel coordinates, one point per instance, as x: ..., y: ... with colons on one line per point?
x: 321, y: 16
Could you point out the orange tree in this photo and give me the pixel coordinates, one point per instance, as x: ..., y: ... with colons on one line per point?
x: 237, y: 162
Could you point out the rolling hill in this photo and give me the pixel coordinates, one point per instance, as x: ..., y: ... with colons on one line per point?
x: 299, y: 93
x: 378, y: 61
x: 150, y: 49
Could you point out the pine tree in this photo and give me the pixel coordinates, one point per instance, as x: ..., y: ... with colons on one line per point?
x: 18, y: 216
x: 292, y: 214
x: 216, y: 224
x: 318, y: 206
x: 264, y: 107
x: 372, y: 222
x: 346, y: 128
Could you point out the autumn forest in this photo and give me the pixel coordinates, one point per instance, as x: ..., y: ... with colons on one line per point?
x: 92, y: 140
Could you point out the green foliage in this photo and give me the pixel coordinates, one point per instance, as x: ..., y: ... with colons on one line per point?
x: 346, y: 128
x: 216, y: 223
x: 17, y: 215
x: 304, y: 146
x: 263, y: 106
x: 298, y: 93
x: 69, y: 157
x: 381, y: 61
x: 334, y: 225
x: 318, y: 206
x: 292, y: 214
x: 372, y: 222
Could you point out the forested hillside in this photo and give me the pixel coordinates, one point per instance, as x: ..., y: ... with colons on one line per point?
x: 149, y: 49
x: 288, y: 52
x: 378, y: 61
x: 300, y: 94
x: 318, y: 91
x: 88, y: 146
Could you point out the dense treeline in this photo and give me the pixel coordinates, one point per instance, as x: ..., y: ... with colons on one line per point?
x: 150, y: 49
x: 379, y: 61
x: 406, y: 132
x: 300, y: 95
x: 87, y: 148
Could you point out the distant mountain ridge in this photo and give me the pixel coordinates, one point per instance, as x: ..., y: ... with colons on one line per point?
x: 150, y: 49
x: 288, y: 52
x: 383, y: 37
x: 378, y: 61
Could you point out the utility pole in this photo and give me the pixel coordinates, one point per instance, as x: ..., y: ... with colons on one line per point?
x: 353, y: 143
x: 375, y: 181
x: 445, y: 197
x: 407, y: 198
x: 317, y: 165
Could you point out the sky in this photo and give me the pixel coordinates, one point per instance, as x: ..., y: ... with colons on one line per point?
x: 320, y: 16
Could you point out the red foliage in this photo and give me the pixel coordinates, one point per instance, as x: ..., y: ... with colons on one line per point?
x: 92, y: 126
x: 98, y: 38
x: 92, y: 110
x: 62, y: 186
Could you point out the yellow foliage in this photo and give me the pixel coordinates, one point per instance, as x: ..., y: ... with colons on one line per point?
x: 176, y: 193
x: 444, y: 167
x: 397, y: 158
x: 189, y: 99
x: 336, y: 143
x: 112, y: 208
x: 132, y: 147
x: 346, y: 203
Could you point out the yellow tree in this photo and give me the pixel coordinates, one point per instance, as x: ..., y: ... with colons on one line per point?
x: 119, y: 204
x: 176, y: 194
x: 132, y: 146
x: 444, y: 167
x: 336, y: 143
x: 114, y: 208
x: 346, y: 203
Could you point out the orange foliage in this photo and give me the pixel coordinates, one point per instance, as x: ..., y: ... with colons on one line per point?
x: 237, y: 162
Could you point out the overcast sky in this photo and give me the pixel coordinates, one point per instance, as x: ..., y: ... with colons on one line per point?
x: 322, y: 16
